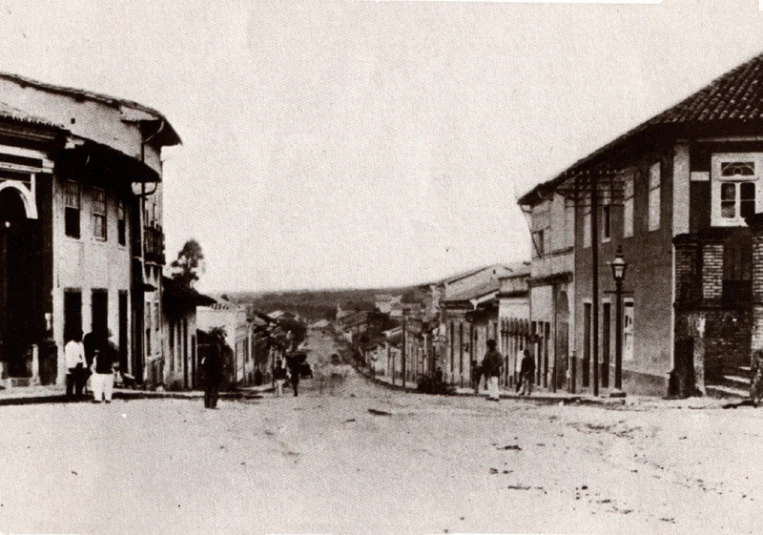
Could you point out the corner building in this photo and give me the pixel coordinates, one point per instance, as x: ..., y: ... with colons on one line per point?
x: 78, y: 250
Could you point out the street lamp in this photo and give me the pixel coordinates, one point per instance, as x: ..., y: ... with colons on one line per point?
x: 619, y: 267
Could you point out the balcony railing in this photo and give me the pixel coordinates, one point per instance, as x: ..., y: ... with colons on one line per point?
x: 154, y: 245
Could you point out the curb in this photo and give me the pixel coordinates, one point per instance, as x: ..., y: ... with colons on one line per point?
x: 129, y: 395
x: 540, y: 399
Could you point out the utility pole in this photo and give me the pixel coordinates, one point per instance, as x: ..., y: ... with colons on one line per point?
x: 405, y: 341
x: 595, y: 272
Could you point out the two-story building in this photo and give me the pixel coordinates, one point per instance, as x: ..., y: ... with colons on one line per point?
x: 72, y: 245
x: 679, y: 195
x: 552, y: 231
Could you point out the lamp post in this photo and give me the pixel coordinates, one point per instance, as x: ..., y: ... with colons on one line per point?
x: 619, y: 267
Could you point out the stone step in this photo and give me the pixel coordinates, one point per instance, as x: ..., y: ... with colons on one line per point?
x: 736, y: 380
x: 719, y: 391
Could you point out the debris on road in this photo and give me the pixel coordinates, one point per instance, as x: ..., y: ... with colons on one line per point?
x: 511, y: 447
x: 379, y: 413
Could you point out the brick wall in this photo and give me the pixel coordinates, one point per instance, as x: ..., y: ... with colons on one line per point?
x: 712, y: 271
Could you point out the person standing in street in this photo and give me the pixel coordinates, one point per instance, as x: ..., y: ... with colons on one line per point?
x: 103, y: 367
x: 491, y: 369
x: 527, y: 374
x: 213, y: 376
x: 294, y: 366
x: 279, y: 376
x: 74, y: 353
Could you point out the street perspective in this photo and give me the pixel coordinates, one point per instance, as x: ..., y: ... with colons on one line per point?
x: 381, y: 267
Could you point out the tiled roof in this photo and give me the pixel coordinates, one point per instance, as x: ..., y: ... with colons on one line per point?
x: 474, y: 292
x: 735, y: 98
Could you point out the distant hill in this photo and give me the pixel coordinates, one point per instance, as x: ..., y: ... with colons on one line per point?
x: 314, y: 304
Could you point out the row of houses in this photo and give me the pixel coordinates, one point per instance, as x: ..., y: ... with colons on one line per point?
x: 679, y: 201
x: 82, y: 244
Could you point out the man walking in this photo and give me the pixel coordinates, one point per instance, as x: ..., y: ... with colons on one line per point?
x: 527, y: 374
x: 103, y: 379
x: 491, y: 369
x: 213, y: 376
x: 294, y: 369
x: 74, y: 353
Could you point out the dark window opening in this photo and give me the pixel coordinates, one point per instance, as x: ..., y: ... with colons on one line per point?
x: 71, y: 209
x: 737, y: 267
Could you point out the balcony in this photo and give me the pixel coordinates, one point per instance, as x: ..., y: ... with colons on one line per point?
x: 154, y: 245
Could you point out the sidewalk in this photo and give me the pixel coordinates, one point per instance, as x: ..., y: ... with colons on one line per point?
x: 25, y: 395
x: 541, y: 396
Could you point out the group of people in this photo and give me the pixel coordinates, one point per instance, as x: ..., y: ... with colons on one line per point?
x: 490, y: 369
x: 90, y: 365
x: 282, y: 371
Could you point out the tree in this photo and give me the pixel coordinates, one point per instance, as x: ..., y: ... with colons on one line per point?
x: 189, y: 263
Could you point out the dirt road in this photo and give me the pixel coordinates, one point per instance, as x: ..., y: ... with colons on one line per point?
x: 364, y: 459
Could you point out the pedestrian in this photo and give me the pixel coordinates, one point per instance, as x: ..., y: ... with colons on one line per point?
x: 294, y: 366
x: 527, y: 374
x: 518, y: 368
x: 491, y: 368
x: 279, y: 375
x: 106, y: 354
x: 74, y: 353
x: 213, y: 376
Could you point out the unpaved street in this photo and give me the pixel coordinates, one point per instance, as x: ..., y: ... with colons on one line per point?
x: 323, y: 463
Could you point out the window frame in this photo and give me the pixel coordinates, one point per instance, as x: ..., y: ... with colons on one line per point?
x: 100, y: 219
x: 69, y: 208
x: 629, y: 185
x: 654, y: 201
x: 717, y: 159
x: 121, y: 222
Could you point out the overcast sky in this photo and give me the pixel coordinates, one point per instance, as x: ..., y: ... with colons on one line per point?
x: 365, y: 144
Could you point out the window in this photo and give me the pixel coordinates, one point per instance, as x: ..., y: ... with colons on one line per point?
x: 737, y: 267
x: 606, y: 222
x: 121, y: 223
x: 156, y: 316
x: 587, y: 221
x: 538, y: 245
x: 99, y: 213
x: 569, y: 226
x: 71, y: 208
x: 654, y: 196
x: 628, y: 206
x: 628, y: 330
x: 735, y: 187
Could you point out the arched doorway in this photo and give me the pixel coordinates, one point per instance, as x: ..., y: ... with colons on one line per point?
x: 18, y: 247
x: 562, y: 337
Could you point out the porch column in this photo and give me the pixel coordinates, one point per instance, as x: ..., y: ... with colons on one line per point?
x: 688, y: 326
x: 755, y: 223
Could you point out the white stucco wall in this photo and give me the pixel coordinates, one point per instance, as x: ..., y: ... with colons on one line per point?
x: 88, y: 263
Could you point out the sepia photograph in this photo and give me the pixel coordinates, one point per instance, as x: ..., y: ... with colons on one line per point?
x: 381, y: 267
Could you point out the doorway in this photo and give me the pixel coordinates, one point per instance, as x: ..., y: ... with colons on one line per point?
x: 18, y: 275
